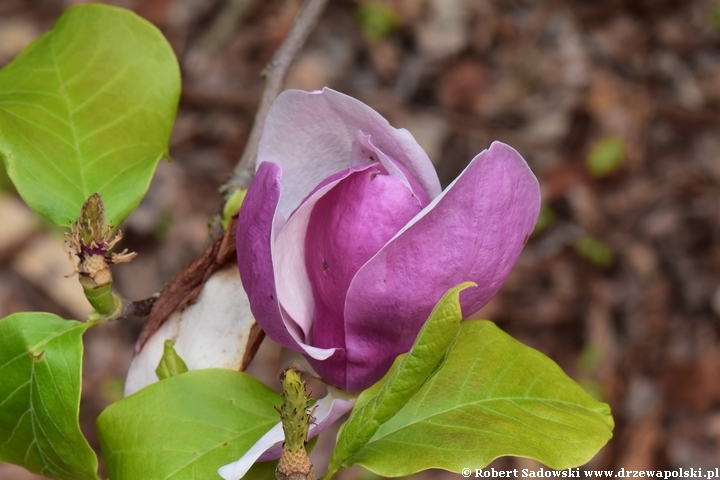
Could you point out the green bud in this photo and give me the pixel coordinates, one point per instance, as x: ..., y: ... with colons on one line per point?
x: 89, y: 243
x: 91, y: 223
x: 232, y: 206
x: 170, y: 364
x: 294, y: 463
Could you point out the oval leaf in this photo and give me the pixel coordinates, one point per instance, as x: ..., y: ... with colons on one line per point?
x: 492, y: 397
x: 41, y: 368
x: 88, y: 108
x: 186, y: 426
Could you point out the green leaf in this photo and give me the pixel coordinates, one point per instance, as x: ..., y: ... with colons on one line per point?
x: 88, y: 108
x: 171, y: 363
x: 232, y: 206
x: 186, y: 426
x: 413, y: 370
x: 262, y: 471
x: 595, y: 250
x: 377, y: 19
x: 715, y: 15
x: 607, y: 156
x: 41, y: 372
x: 492, y: 397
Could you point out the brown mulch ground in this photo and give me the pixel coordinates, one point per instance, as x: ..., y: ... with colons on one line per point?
x: 638, y: 324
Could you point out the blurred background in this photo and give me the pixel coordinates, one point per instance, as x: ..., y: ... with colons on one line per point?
x: 615, y: 105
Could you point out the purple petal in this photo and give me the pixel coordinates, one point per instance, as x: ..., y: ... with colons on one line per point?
x: 310, y: 135
x: 474, y: 232
x: 292, y: 282
x: 257, y: 261
x: 329, y: 408
x: 348, y: 225
x: 255, y: 232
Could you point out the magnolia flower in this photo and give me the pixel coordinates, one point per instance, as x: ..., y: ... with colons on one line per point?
x: 346, y: 242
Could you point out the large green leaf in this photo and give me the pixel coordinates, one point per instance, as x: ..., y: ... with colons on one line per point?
x: 186, y: 426
x: 412, y: 371
x: 88, y: 108
x: 41, y: 372
x: 492, y: 397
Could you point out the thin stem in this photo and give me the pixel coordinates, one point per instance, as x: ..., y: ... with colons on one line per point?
x: 107, y: 304
x: 275, y: 74
x: 110, y: 305
x: 140, y: 308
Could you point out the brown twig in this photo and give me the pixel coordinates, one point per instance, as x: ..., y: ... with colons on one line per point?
x: 275, y: 75
x: 139, y: 308
x: 186, y: 285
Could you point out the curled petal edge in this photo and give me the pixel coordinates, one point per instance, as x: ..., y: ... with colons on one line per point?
x: 310, y: 134
x: 292, y: 282
x: 257, y: 224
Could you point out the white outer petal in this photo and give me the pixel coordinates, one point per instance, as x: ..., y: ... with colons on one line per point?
x: 213, y: 332
x: 238, y: 469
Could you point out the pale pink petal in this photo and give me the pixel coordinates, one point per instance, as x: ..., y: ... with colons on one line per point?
x: 257, y: 223
x: 291, y: 277
x: 310, y: 135
x: 363, y: 151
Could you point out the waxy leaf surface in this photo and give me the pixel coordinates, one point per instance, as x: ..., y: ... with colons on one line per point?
x: 493, y: 396
x: 41, y: 374
x: 410, y: 373
x: 88, y: 108
x: 187, y: 426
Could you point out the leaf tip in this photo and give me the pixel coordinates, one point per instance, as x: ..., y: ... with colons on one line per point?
x: 455, y: 291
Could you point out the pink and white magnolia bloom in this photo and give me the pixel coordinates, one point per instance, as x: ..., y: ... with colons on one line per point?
x: 346, y: 242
